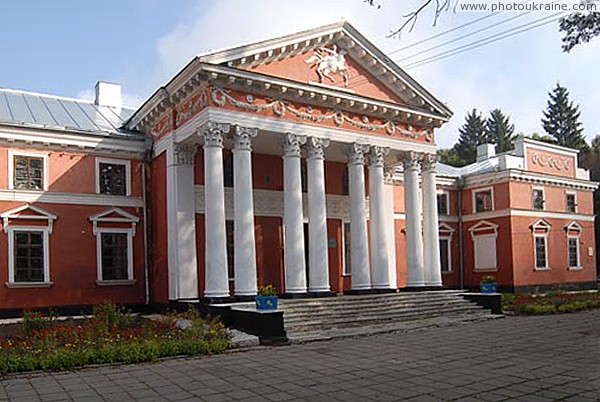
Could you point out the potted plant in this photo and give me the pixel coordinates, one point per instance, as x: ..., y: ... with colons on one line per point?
x: 266, y: 298
x: 488, y: 284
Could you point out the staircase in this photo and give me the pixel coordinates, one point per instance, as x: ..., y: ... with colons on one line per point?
x: 325, y: 318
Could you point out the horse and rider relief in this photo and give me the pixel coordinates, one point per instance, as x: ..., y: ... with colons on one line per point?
x: 329, y: 61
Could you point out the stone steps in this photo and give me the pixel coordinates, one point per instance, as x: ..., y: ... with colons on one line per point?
x: 324, y: 318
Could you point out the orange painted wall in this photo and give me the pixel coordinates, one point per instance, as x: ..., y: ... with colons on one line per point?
x: 557, y: 254
x: 72, y: 269
x: 71, y: 172
x: 159, y: 233
x: 521, y: 197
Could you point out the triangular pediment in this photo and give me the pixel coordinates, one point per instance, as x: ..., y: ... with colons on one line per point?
x: 369, y: 72
x: 28, y: 211
x: 114, y: 215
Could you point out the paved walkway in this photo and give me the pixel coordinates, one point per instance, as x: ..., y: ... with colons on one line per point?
x: 522, y: 358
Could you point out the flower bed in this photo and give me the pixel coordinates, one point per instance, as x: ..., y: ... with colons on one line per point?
x: 550, y: 303
x: 109, y: 336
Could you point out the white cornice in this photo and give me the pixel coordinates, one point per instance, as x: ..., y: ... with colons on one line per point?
x: 527, y: 213
x: 484, y: 179
x: 60, y: 140
x: 69, y: 198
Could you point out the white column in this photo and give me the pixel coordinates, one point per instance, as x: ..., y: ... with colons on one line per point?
x: 293, y: 218
x: 431, y: 240
x: 217, y: 282
x: 414, y: 239
x: 380, y: 260
x: 318, y: 260
x: 359, y: 239
x: 181, y: 223
x: 243, y: 209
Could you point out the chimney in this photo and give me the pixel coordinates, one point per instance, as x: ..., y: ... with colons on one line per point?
x: 485, y: 151
x: 108, y: 94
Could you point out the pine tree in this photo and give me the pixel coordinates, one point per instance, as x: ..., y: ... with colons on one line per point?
x: 450, y: 157
x: 499, y: 131
x: 561, y: 120
x: 472, y: 134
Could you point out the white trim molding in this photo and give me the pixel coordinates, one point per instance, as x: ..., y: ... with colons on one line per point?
x: 46, y: 230
x: 51, y: 197
x: 474, y: 193
x: 540, y: 230
x: 15, y: 213
x: 122, y: 217
x: 11, y: 167
x: 122, y: 162
x: 526, y: 213
x: 106, y: 230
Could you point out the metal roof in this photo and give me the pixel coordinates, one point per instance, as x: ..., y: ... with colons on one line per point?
x: 52, y: 112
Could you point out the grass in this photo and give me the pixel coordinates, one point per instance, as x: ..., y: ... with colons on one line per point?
x: 550, y: 303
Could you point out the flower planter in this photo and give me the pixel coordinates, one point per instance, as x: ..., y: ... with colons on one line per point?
x: 488, y: 287
x: 266, y: 302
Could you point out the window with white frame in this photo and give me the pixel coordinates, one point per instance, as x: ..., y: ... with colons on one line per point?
x: 114, y: 230
x: 571, y: 201
x: 113, y: 176
x: 28, y: 245
x: 538, y: 199
x: 573, y: 247
x: 445, y: 257
x: 347, y: 270
x: 540, y: 230
x: 27, y: 171
x: 483, y: 200
x: 484, y: 235
x: 443, y: 203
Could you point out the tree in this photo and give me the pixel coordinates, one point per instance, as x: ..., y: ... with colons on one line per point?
x: 539, y: 137
x: 578, y: 28
x: 561, y: 120
x: 449, y: 156
x: 500, y: 131
x: 472, y: 134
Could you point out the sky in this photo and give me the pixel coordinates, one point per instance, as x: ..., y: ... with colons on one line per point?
x: 63, y: 47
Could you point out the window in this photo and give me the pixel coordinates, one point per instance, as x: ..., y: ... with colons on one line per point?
x: 345, y: 182
x: 445, y: 261
x: 28, y: 256
x: 228, y: 170
x: 541, y: 251
x: 113, y: 177
x: 442, y: 203
x: 27, y: 171
x: 230, y: 249
x: 484, y: 200
x: 347, y: 250
x: 114, y: 246
x: 573, y: 245
x: 115, y: 256
x: 485, y: 252
x: 538, y: 199
x: 571, y: 203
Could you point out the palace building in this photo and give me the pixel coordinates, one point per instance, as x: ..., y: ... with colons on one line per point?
x: 307, y: 162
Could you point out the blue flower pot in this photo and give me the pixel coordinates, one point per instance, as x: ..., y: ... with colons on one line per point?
x: 266, y: 302
x: 488, y: 287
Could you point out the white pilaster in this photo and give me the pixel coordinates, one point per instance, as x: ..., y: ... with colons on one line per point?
x: 380, y: 260
x: 181, y: 223
x: 432, y: 273
x: 243, y: 209
x: 414, y: 239
x: 217, y: 281
x: 293, y: 219
x: 318, y: 261
x: 359, y: 239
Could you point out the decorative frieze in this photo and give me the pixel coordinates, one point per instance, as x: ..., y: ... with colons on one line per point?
x: 553, y: 162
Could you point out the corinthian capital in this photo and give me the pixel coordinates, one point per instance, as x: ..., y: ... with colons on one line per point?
x: 293, y: 144
x: 184, y: 154
x: 213, y: 133
x: 357, y: 153
x: 377, y: 155
x: 316, y: 147
x: 411, y: 160
x: 429, y: 162
x: 243, y: 138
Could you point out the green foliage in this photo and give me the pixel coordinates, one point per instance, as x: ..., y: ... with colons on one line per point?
x: 268, y: 290
x: 472, y: 134
x: 543, y: 138
x: 561, y: 120
x: 578, y: 28
x: 488, y: 279
x: 450, y: 157
x: 550, y: 303
x: 500, y: 131
x: 110, y: 337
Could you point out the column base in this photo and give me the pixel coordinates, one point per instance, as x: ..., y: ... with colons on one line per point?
x: 322, y: 294
x: 295, y: 296
x: 358, y: 292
